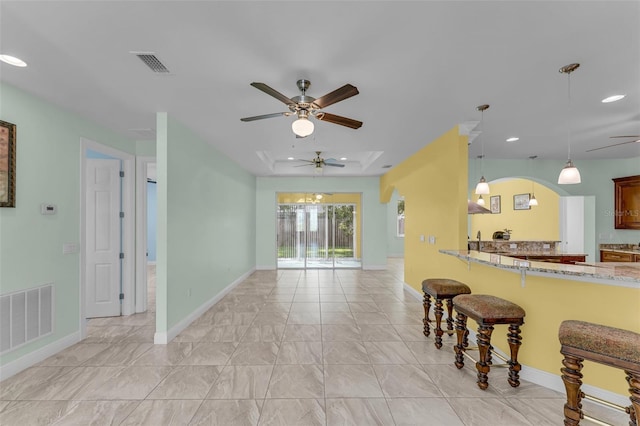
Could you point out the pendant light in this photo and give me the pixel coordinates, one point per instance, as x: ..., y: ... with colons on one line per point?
x: 480, y: 201
x: 569, y: 174
x: 482, y: 188
x: 532, y: 200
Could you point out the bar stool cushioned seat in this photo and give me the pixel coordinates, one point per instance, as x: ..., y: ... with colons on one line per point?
x: 440, y: 289
x: 488, y: 311
x: 605, y: 345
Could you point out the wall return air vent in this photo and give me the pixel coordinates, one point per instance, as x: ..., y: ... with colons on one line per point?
x: 152, y: 61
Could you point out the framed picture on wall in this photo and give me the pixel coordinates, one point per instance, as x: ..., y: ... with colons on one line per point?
x: 521, y: 202
x: 494, y: 203
x: 7, y: 164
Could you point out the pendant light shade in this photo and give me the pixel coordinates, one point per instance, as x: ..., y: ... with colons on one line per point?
x: 569, y: 175
x: 482, y: 188
x: 480, y: 201
x: 302, y: 127
x: 532, y: 200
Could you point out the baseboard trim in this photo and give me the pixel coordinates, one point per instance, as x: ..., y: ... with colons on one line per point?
x: 32, y: 358
x: 265, y: 268
x: 541, y: 377
x: 162, y: 338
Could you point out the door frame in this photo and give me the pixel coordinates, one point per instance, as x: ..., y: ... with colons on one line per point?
x: 128, y: 227
x: 142, y: 164
x: 305, y: 205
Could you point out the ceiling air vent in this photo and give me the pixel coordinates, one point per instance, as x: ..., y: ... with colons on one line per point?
x: 152, y: 61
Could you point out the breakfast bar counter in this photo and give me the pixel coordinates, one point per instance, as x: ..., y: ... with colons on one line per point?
x: 611, y: 273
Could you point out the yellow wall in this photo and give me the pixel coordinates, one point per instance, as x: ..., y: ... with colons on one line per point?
x: 539, y: 223
x: 333, y: 198
x: 434, y: 184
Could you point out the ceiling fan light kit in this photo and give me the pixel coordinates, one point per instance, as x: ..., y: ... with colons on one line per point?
x: 302, y: 127
x: 305, y: 107
x: 569, y: 175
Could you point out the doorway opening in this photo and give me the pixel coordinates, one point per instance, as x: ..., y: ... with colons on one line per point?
x: 318, y: 230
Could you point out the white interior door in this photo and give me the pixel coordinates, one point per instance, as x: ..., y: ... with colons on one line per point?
x: 572, y: 224
x: 103, y: 238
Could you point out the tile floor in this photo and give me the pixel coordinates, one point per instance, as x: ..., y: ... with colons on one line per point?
x: 285, y: 347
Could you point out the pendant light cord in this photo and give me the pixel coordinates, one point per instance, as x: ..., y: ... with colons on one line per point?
x: 482, y: 143
x: 569, y: 116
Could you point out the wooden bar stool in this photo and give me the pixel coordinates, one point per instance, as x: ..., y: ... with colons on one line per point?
x: 440, y: 289
x: 488, y: 311
x: 609, y: 346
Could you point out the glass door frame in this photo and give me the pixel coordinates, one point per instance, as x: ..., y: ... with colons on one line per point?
x: 330, y: 226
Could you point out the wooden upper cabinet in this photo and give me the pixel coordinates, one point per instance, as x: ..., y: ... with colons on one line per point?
x: 627, y: 202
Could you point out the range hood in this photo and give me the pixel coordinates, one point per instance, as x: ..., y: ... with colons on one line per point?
x: 475, y: 208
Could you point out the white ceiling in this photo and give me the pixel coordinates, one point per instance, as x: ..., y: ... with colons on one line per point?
x: 420, y: 67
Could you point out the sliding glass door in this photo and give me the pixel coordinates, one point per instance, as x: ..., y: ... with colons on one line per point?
x: 318, y: 235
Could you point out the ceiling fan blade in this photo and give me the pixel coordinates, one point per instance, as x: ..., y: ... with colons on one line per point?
x: 336, y: 119
x: 273, y: 92
x: 260, y: 117
x: 632, y: 136
x: 615, y: 144
x: 333, y: 164
x: 302, y: 165
x: 330, y: 160
x: 337, y: 95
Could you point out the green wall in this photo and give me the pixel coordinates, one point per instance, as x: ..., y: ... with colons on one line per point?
x: 596, y: 181
x: 206, y: 222
x: 374, y: 220
x: 47, y: 171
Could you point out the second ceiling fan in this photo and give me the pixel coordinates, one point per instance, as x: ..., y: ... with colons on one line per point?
x: 305, y: 107
x: 319, y: 162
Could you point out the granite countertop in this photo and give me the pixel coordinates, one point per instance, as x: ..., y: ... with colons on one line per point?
x: 609, y: 272
x: 628, y: 251
x: 543, y: 253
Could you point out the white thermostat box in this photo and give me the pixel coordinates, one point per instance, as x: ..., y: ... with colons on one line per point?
x: 48, y: 208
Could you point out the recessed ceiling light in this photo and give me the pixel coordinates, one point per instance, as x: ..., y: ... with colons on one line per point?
x: 343, y: 158
x: 612, y: 98
x: 513, y: 139
x: 290, y: 158
x: 12, y: 60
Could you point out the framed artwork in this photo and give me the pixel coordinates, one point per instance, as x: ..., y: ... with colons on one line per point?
x: 494, y: 203
x: 7, y: 164
x: 521, y: 202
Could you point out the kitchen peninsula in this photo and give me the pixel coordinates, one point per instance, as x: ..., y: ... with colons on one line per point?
x: 627, y: 274
x: 550, y: 293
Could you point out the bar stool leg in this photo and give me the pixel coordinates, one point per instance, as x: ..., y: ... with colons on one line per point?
x: 438, y: 311
x: 515, y: 340
x: 484, y: 343
x: 634, y: 390
x: 571, y: 376
x: 461, y: 333
x: 426, y: 303
x: 450, y: 315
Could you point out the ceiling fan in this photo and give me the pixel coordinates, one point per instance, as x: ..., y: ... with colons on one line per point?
x: 635, y: 138
x: 321, y: 162
x: 305, y: 107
